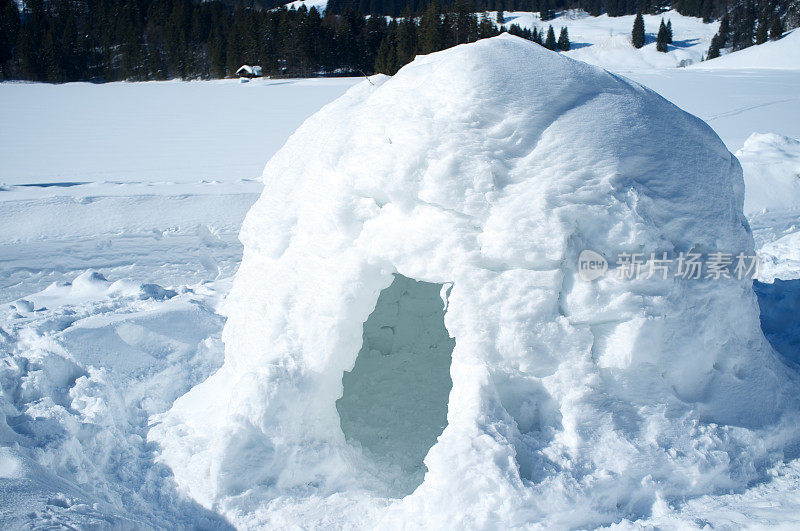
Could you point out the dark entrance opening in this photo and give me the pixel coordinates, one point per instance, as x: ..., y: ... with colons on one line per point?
x: 394, y: 402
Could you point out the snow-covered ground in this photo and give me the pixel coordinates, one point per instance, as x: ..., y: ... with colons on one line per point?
x: 151, y: 132
x: 120, y: 206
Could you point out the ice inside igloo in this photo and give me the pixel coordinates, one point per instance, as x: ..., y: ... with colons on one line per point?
x: 408, y: 342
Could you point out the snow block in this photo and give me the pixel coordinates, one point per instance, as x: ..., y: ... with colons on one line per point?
x: 487, y: 168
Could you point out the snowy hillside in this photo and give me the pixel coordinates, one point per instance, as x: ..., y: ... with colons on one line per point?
x: 606, y: 41
x: 319, y: 4
x: 781, y: 54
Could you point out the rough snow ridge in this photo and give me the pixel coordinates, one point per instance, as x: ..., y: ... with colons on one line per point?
x: 491, y: 166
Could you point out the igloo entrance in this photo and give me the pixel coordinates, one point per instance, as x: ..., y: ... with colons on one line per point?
x: 394, y: 402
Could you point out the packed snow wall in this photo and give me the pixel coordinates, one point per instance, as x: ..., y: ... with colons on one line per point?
x: 488, y: 168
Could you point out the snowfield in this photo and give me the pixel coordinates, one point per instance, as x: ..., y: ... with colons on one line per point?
x: 121, y: 206
x: 217, y: 130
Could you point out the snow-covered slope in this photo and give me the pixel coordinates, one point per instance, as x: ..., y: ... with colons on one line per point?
x: 606, y: 41
x: 780, y: 54
x: 319, y: 4
x: 488, y: 168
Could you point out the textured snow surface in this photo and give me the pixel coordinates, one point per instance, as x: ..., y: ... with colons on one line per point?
x: 150, y: 232
x: 489, y: 167
x: 85, y: 365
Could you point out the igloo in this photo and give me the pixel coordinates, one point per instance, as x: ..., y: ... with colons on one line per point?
x: 408, y: 340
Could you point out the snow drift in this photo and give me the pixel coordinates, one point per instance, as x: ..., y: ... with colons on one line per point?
x: 771, y: 165
x: 486, y: 169
x: 772, y: 173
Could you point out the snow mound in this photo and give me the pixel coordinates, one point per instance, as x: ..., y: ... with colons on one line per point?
x: 781, y: 54
x: 486, y: 169
x: 771, y: 166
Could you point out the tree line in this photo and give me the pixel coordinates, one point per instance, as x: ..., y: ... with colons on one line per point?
x: 749, y: 23
x: 109, y: 40
x: 547, y: 8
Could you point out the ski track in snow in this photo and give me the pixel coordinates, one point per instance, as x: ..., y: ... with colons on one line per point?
x: 119, y: 242
x: 736, y: 112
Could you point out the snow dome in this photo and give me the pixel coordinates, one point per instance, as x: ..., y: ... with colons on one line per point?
x: 408, y: 341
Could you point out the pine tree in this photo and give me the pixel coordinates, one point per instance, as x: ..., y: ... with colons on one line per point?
x: 563, y: 40
x: 431, y: 29
x: 545, y: 13
x: 550, y: 42
x: 406, y: 40
x: 9, y: 26
x: 669, y: 31
x: 487, y: 28
x: 386, y: 58
x: 724, y: 30
x: 743, y: 26
x: 52, y: 71
x: 762, y: 35
x: 706, y: 8
x: 216, y: 53
x: 637, y: 34
x: 29, y: 39
x: 662, y: 38
x: 714, y: 49
x: 776, y: 28
x: 466, y: 23
x: 501, y: 19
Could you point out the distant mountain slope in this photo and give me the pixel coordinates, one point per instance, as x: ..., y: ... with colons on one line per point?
x: 319, y: 4
x: 784, y: 54
x: 606, y: 41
